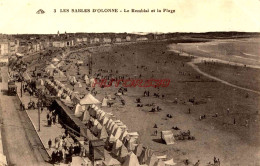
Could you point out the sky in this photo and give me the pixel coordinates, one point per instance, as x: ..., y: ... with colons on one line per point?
x: 19, y: 16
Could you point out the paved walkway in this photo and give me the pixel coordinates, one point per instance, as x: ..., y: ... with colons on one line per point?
x: 46, y: 132
x: 21, y: 145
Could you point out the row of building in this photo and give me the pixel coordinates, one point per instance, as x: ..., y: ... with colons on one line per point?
x: 34, y: 43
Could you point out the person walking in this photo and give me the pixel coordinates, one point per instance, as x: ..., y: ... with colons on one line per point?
x: 53, y: 119
x: 48, y: 116
x: 49, y: 143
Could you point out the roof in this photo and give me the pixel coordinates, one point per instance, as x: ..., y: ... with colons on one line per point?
x: 89, y: 99
x: 96, y: 143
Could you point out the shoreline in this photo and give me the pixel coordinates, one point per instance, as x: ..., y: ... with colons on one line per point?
x: 197, y: 59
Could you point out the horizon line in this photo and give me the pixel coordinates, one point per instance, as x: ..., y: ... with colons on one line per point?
x: 137, y: 33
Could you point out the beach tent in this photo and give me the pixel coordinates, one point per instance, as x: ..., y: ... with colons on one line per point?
x: 116, y: 147
x: 111, y: 162
x: 111, y: 139
x: 78, y: 111
x: 123, y: 152
x: 94, y: 130
x: 162, y: 157
x: 19, y: 54
x: 138, y: 150
x: 87, y: 81
x: 102, y: 116
x: 103, y: 134
x: 131, y: 144
x: 146, y: 153
x: 73, y: 79
x: 86, y: 117
x: 152, y: 160
x: 99, y: 126
x: 104, y: 102
x: 123, y: 135
x: 60, y: 64
x: 108, y: 123
x: 55, y: 60
x: 89, y: 99
x: 104, y: 121
x: 97, y: 113
x: 159, y: 163
x: 92, y: 82
x: 117, y: 133
x: 96, y: 108
x: 39, y: 83
x: 95, y: 122
x: 92, y: 112
x: 169, y: 162
x: 59, y: 73
x: 3, y: 161
x: 75, y: 98
x: 111, y: 127
x: 133, y: 134
x: 168, y: 137
x: 131, y: 160
x: 26, y: 76
x: 79, y: 62
x: 78, y: 84
x: 114, y: 129
x: 68, y: 98
x: 124, y: 127
x: 59, y: 92
x: 50, y: 67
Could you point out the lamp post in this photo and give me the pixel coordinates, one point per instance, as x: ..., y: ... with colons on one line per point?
x: 39, y: 113
x: 21, y: 88
x: 90, y: 64
x: 39, y: 119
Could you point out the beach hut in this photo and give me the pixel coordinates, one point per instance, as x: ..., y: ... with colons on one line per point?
x: 168, y: 137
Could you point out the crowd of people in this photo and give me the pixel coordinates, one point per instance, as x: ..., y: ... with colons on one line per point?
x: 64, y: 148
x: 52, y: 118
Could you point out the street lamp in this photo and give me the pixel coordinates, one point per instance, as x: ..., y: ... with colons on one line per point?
x: 39, y: 107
